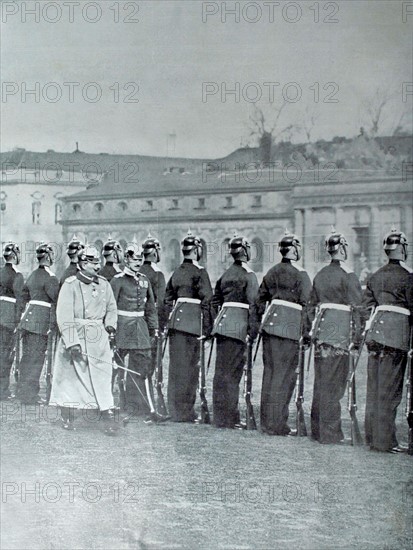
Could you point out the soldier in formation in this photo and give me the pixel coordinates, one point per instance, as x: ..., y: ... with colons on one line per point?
x: 389, y: 293
x: 234, y: 302
x: 187, y: 302
x: 137, y: 324
x: 11, y: 307
x: 285, y: 290
x: 113, y: 254
x: 74, y: 248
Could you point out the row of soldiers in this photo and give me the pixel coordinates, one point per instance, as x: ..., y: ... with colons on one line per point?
x: 101, y: 313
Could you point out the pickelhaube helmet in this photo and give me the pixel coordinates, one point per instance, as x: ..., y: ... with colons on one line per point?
x: 74, y: 246
x: 150, y: 245
x: 190, y: 242
x: 239, y: 244
x: 11, y: 248
x: 334, y: 241
x: 112, y: 245
x: 43, y: 250
x: 289, y: 241
x: 90, y: 254
x: 393, y: 239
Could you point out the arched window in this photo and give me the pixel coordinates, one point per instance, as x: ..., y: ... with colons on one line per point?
x: 76, y: 208
x: 99, y: 207
x: 123, y: 206
x: 257, y: 255
x: 174, y: 254
x: 204, y: 259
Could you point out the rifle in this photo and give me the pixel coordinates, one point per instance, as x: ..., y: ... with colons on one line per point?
x: 159, y: 376
x: 356, y: 438
x: 205, y: 418
x: 250, y: 421
x: 409, y: 387
x: 299, y: 395
x: 49, y: 363
x: 15, y: 354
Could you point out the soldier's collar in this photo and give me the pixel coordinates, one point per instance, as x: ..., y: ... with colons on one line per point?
x: 188, y: 261
x: 286, y: 261
x: 393, y: 261
x: 87, y: 280
x: 128, y: 271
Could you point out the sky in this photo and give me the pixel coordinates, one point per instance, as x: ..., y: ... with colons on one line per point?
x: 143, y: 71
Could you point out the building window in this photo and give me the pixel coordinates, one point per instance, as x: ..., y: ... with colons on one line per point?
x: 257, y: 201
x: 57, y: 212
x: 3, y: 206
x: 201, y: 204
x: 148, y: 206
x: 76, y: 208
x: 175, y: 205
x: 98, y: 207
x: 36, y: 212
x: 228, y: 203
x: 123, y: 206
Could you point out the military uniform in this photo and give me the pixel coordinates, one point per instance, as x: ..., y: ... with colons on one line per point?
x: 235, y: 295
x: 189, y: 288
x: 85, y: 309
x: 137, y: 322
x: 335, y: 289
x: 11, y: 307
x: 287, y: 288
x: 109, y: 270
x: 388, y: 342
x: 70, y: 271
x: 158, y: 284
x: 40, y: 291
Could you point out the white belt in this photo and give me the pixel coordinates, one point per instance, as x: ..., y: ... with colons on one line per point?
x: 286, y: 304
x: 88, y: 321
x: 7, y: 299
x: 130, y: 313
x: 235, y: 304
x: 341, y: 307
x: 39, y: 303
x: 187, y: 301
x: 394, y: 309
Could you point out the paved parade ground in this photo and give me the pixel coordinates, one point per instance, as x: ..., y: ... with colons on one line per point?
x: 194, y: 486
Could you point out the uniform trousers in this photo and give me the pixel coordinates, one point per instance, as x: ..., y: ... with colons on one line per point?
x: 183, y: 376
x: 134, y: 399
x: 7, y: 341
x: 280, y: 357
x: 229, y: 366
x: 385, y: 374
x: 31, y: 366
x: 331, y: 367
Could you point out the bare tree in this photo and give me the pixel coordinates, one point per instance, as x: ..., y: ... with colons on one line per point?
x: 308, y: 121
x: 384, y: 113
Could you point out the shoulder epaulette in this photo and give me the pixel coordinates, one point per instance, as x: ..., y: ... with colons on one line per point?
x: 121, y: 274
x: 196, y: 264
x: 247, y: 268
x: 406, y: 267
x: 15, y: 268
x: 345, y: 268
x: 297, y: 267
x: 156, y: 268
x: 49, y: 271
x: 70, y: 279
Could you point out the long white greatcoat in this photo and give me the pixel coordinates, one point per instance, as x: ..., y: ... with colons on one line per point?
x: 84, y: 309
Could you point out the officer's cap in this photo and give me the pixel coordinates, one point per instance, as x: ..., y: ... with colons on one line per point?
x: 90, y: 254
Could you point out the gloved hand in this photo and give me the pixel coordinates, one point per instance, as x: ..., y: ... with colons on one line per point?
x: 306, y: 341
x: 111, y: 332
x: 75, y: 352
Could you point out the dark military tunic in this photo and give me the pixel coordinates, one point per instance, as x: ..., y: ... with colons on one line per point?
x: 392, y: 285
x: 237, y: 285
x: 158, y: 284
x: 189, y: 280
x: 137, y: 322
x: 109, y: 270
x: 336, y: 284
x: 284, y: 281
x: 11, y: 307
x: 70, y: 271
x: 40, y: 291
